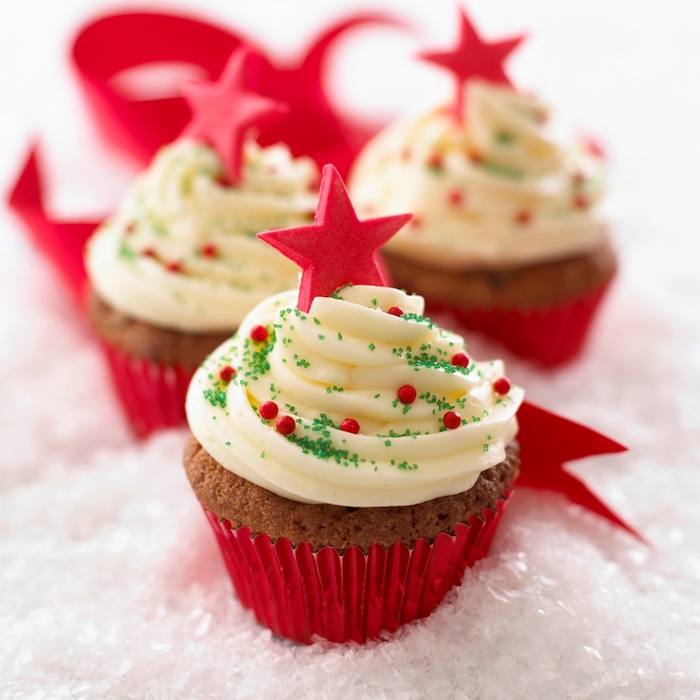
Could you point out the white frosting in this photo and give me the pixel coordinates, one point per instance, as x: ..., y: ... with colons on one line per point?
x: 496, y: 190
x: 178, y: 209
x: 347, y: 358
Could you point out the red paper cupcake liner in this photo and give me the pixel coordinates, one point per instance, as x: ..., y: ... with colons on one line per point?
x: 550, y: 336
x: 299, y: 593
x: 152, y: 395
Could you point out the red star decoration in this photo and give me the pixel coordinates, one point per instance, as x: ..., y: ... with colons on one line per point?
x: 223, y: 111
x: 337, y: 249
x: 474, y: 58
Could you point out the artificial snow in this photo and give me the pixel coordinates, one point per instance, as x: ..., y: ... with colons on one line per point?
x: 111, y: 585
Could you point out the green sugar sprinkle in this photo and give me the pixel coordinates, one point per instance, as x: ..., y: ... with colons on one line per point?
x: 504, y: 137
x: 316, y: 321
x: 486, y: 447
x: 227, y: 443
x: 321, y: 337
x: 406, y: 466
x: 372, y: 346
x: 323, y: 448
x: 340, y: 335
x: 215, y: 397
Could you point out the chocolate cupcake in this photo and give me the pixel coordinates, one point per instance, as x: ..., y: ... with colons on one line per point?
x: 349, y: 454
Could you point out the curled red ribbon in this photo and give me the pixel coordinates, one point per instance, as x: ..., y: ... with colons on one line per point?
x: 112, y: 44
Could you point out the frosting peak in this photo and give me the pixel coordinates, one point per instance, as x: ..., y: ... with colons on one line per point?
x: 496, y: 189
x: 377, y: 413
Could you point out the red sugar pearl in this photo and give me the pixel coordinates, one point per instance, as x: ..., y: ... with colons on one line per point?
x: 223, y: 181
x: 285, y: 425
x: 174, y: 266
x: 581, y: 201
x: 226, y: 373
x: 209, y: 250
x: 407, y: 393
x: 149, y: 252
x: 269, y: 410
x: 350, y: 425
x: 502, y: 386
x: 523, y: 217
x: 455, y: 196
x: 259, y: 334
x: 434, y: 160
x: 395, y: 311
x: 461, y: 359
x: 452, y: 420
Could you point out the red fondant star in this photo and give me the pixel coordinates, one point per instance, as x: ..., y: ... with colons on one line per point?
x: 337, y: 249
x: 473, y: 57
x: 223, y: 111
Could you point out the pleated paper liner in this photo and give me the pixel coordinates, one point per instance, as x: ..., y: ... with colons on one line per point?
x: 549, y: 336
x: 152, y: 395
x: 298, y: 593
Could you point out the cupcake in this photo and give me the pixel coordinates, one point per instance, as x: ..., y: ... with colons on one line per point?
x: 350, y: 456
x: 507, y: 237
x: 174, y: 272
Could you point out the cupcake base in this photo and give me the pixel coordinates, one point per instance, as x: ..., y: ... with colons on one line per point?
x: 549, y: 336
x: 299, y: 593
x: 345, y: 573
x: 151, y: 367
x: 542, y: 311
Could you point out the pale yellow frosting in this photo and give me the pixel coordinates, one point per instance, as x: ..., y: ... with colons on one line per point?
x: 496, y: 189
x: 347, y: 358
x: 181, y: 252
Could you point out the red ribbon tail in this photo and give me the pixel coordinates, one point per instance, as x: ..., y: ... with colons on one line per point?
x: 547, y: 441
x: 61, y: 241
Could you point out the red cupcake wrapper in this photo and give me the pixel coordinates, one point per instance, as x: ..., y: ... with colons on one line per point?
x: 152, y: 395
x: 550, y: 336
x: 353, y: 596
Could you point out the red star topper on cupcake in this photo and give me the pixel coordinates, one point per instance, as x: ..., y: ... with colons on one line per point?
x: 338, y: 248
x: 473, y: 58
x: 223, y: 111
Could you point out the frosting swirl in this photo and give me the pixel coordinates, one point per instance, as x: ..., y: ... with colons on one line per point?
x: 181, y: 252
x: 495, y: 190
x: 347, y: 359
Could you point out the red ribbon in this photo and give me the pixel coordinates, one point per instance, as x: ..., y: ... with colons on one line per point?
x: 110, y: 45
x: 115, y: 43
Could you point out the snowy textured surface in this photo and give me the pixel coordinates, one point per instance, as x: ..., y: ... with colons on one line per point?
x: 110, y: 583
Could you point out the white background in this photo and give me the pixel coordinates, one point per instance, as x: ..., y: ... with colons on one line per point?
x: 110, y: 585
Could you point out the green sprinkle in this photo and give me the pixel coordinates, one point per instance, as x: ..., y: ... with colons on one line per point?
x: 504, y: 137
x: 215, y: 397
x: 227, y: 443
x: 372, y: 346
x: 340, y: 335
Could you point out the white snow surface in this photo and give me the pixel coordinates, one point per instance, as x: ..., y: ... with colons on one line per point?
x: 111, y: 585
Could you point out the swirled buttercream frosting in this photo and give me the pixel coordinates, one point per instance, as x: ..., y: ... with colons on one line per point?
x: 495, y: 189
x: 359, y: 402
x: 181, y: 252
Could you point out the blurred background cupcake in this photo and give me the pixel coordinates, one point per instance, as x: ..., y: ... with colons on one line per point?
x: 176, y: 269
x: 506, y: 235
